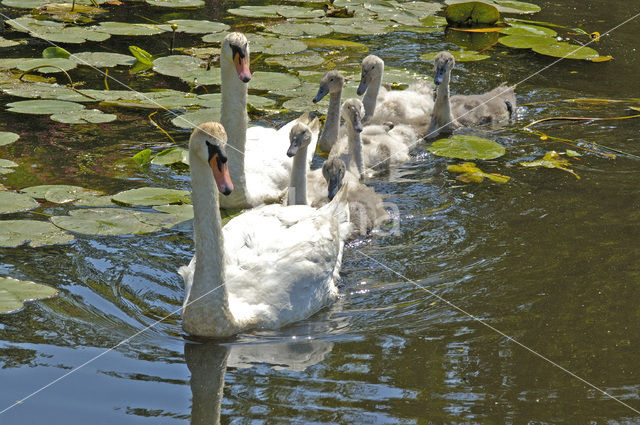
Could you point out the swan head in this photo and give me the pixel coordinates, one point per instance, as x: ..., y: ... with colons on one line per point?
x: 299, y: 137
x: 372, y: 67
x: 207, y: 144
x: 352, y: 112
x: 444, y: 63
x: 333, y: 171
x: 235, y: 49
x: 331, y: 82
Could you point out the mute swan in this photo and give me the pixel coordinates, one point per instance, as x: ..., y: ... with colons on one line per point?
x: 258, y: 169
x: 412, y: 106
x: 451, y: 113
x: 374, y: 147
x: 268, y: 267
x: 331, y: 84
x: 304, y: 184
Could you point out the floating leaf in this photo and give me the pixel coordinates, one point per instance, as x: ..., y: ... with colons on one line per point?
x: 7, y: 166
x: 193, y: 118
x: 176, y: 3
x: 141, y: 55
x: 276, y: 11
x: 7, y: 137
x: 148, y: 196
x: 103, y: 221
x: 192, y: 26
x: 357, y: 26
x: 59, y: 193
x: 125, y: 28
x: 11, y: 202
x: 102, y: 59
x: 188, y: 68
x: 85, y: 116
x: 296, y: 61
x: 551, y: 159
x: 142, y: 157
x: 14, y: 293
x: 530, y: 30
x: 506, y: 6
x: 171, y: 156
x: 300, y: 29
x: 460, y: 56
x: 275, y: 45
x: 332, y: 44
x: 43, y: 107
x: 55, y: 52
x: 56, y: 31
x: 471, y: 173
x: 566, y: 51
x: 262, y: 80
x: 471, y: 14
x: 36, y: 233
x: 56, y: 65
x: 467, y: 147
x: 8, y: 43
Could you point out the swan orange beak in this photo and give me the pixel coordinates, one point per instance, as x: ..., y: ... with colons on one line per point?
x: 221, y: 174
x: 242, y: 66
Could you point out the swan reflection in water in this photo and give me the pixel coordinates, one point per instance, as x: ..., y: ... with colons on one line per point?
x: 208, y: 362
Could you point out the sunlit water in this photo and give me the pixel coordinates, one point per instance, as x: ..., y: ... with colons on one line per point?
x: 548, y: 259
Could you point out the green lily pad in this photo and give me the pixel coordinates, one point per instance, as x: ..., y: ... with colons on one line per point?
x: 274, y: 45
x: 149, y: 196
x: 7, y: 166
x: 43, y: 107
x: 8, y: 43
x: 506, y: 6
x: 467, y: 147
x: 56, y: 31
x: 57, y: 65
x: 333, y: 44
x: 300, y: 60
x: 400, y: 77
x: 183, y: 210
x: 471, y: 173
x: 176, y: 3
x: 200, y: 52
x: 88, y: 200
x: 55, y: 52
x: 169, y: 218
x: 300, y: 29
x: 45, y: 91
x: 192, y: 26
x: 460, y: 56
x: 14, y: 293
x: 59, y: 193
x: 36, y: 233
x: 357, y: 26
x: 471, y: 13
x: 276, y: 11
x: 526, y: 41
x: 6, y: 137
x: 188, y: 68
x: 141, y: 55
x: 143, y: 157
x: 529, y: 30
x: 171, y: 156
x: 125, y: 28
x: 84, y: 116
x: 103, y: 221
x: 11, y: 202
x: 566, y: 51
x: 102, y: 59
x: 262, y: 80
x: 214, y: 100
x: 552, y: 159
x: 192, y: 119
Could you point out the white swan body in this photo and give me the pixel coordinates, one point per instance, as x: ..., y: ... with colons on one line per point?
x: 412, y: 106
x: 258, y: 167
x: 450, y: 113
x: 268, y: 267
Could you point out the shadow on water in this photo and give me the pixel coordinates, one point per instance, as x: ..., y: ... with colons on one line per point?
x: 548, y: 259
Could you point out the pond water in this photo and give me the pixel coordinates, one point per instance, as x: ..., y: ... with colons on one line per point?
x: 547, y: 259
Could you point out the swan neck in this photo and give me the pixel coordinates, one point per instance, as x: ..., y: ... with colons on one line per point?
x: 355, y: 151
x: 370, y: 97
x: 442, y: 107
x: 329, y: 134
x: 234, y: 118
x: 208, y: 292
x: 298, y: 185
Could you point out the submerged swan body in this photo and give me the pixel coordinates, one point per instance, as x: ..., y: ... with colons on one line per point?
x: 268, y: 267
x: 450, y: 113
x: 258, y: 169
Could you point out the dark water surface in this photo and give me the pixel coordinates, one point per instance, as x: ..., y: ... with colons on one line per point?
x: 548, y: 259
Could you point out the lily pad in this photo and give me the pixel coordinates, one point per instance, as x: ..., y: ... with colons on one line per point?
x: 467, y: 147
x: 149, y: 196
x: 6, y: 137
x: 36, y: 233
x: 471, y: 173
x: 192, y: 119
x: 125, y: 28
x: 566, y: 51
x: 84, y: 116
x: 506, y: 6
x: 57, y: 65
x: 184, y: 210
x: 471, y: 13
x: 552, y: 159
x: 56, y: 31
x: 300, y: 29
x: 300, y: 60
x: 103, y: 221
x: 43, y: 107
x: 171, y: 156
x: 359, y: 27
x: 214, y: 100
x: 531, y: 30
x: 526, y: 41
x: 333, y: 44
x: 59, y: 193
x: 276, y: 11
x: 188, y: 68
x: 460, y: 56
x: 14, y: 293
x: 192, y: 26
x: 176, y: 3
x: 11, y: 202
x: 263, y: 80
x: 8, y: 43
x: 102, y: 59
x: 55, y: 52
x: 275, y: 45
x: 7, y: 166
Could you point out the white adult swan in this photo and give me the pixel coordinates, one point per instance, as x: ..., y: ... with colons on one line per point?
x: 268, y: 267
x: 412, y: 106
x: 259, y: 171
x: 450, y: 113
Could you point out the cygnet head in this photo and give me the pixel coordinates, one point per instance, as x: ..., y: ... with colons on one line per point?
x: 331, y: 82
x: 372, y: 67
x: 444, y: 63
x: 235, y: 49
x: 333, y: 171
x: 352, y: 112
x: 299, y: 137
x: 207, y: 144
